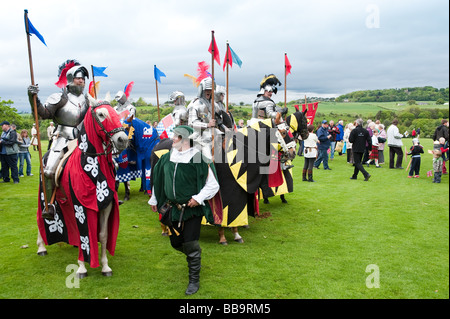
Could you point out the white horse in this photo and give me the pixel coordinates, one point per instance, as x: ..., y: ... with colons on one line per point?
x: 88, y: 168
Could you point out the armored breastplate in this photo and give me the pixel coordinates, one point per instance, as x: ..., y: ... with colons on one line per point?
x: 73, y: 112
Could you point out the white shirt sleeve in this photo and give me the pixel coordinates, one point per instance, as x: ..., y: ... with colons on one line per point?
x: 209, y: 190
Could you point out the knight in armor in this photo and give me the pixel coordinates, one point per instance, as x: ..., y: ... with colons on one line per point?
x: 179, y: 113
x: 67, y: 109
x: 224, y: 119
x: 200, y: 117
x: 264, y: 107
x: 124, y: 108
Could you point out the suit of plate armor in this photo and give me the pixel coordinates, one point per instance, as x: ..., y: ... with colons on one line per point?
x: 179, y: 113
x: 199, y: 117
x: 264, y: 107
x: 67, y: 109
x: 124, y: 105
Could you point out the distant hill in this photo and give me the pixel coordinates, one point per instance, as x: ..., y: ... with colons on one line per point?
x: 426, y: 93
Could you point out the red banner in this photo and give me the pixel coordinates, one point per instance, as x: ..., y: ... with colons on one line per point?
x: 311, y: 113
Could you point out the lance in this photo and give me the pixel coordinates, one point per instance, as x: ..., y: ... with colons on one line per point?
x: 157, y: 99
x: 212, y: 91
x: 36, y: 117
x: 228, y: 63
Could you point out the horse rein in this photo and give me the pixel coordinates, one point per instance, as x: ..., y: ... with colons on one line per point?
x: 109, y: 148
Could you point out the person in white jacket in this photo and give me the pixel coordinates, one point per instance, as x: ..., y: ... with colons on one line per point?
x: 394, y: 140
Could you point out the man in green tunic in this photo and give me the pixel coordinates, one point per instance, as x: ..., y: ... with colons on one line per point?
x: 184, y: 176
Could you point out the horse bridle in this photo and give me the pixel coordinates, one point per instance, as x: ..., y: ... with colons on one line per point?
x: 109, y: 146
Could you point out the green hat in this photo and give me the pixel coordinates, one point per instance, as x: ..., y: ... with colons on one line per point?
x: 184, y: 131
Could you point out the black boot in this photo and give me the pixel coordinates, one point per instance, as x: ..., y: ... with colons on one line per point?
x: 304, y: 176
x: 310, y: 178
x: 193, y: 257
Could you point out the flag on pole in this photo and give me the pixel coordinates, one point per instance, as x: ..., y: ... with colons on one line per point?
x: 216, y: 51
x: 231, y: 57
x: 32, y: 30
x: 287, y: 64
x: 158, y: 74
x: 99, y: 71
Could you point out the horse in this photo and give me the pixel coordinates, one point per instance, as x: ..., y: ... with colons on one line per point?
x: 297, y: 126
x: 241, y: 176
x: 134, y: 162
x: 86, y: 203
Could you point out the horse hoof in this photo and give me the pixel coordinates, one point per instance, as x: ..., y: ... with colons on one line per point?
x: 223, y: 243
x: 240, y: 241
x: 107, y: 273
x: 82, y: 275
x: 42, y: 253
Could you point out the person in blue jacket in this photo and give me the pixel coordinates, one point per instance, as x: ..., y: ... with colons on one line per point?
x: 323, y: 145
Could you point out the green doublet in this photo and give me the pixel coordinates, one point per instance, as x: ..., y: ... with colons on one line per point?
x: 178, y: 182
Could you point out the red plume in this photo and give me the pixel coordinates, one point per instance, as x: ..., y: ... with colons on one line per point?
x: 202, y: 71
x: 62, y: 81
x: 128, y: 89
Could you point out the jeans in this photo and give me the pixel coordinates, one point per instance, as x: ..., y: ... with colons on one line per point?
x: 333, y: 146
x: 322, y: 157
x: 27, y: 158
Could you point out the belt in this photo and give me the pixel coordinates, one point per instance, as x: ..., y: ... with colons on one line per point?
x: 180, y: 207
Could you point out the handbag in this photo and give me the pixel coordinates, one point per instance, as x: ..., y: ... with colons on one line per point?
x: 339, y: 146
x: 166, y: 214
x: 381, y: 140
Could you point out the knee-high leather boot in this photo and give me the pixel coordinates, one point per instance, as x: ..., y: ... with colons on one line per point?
x: 304, y: 175
x: 193, y: 254
x: 310, y: 176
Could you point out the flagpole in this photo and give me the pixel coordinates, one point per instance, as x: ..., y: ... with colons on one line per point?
x: 93, y: 80
x: 157, y: 99
x: 228, y: 63
x: 285, y: 79
x: 212, y: 91
x: 36, y: 118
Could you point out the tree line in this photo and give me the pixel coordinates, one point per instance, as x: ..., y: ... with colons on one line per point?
x: 426, y: 93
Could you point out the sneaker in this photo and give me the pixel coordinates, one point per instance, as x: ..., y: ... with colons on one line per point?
x: 416, y: 176
x: 21, y: 176
x: 30, y: 175
x: 409, y: 176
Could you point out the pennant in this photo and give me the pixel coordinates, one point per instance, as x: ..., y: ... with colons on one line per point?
x: 158, y: 74
x: 32, y: 30
x: 99, y: 71
x: 216, y: 50
x: 231, y: 57
x: 287, y: 64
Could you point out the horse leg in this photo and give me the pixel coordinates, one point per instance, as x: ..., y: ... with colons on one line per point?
x: 237, y: 237
x: 127, y: 191
x: 103, y: 237
x: 82, y: 271
x: 42, y: 251
x: 222, y: 239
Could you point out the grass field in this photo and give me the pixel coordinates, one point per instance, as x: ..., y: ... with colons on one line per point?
x: 324, y: 243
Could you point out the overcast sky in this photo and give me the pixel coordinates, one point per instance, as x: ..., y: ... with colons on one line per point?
x: 334, y: 47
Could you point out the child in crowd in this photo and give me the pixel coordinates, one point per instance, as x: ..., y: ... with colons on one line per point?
x: 415, y: 152
x: 444, y: 150
x: 437, y: 164
x: 373, y: 156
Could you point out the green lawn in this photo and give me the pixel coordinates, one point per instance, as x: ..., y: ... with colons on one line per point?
x: 316, y: 246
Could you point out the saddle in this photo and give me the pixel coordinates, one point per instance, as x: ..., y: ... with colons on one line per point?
x: 71, y: 146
